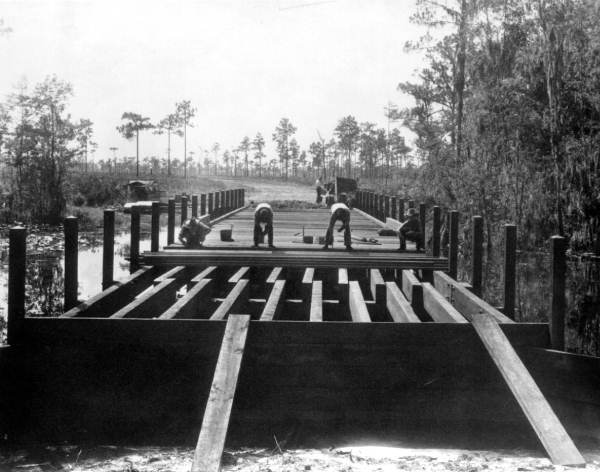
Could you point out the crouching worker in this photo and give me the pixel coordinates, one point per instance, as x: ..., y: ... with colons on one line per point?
x: 339, y: 212
x: 411, y: 231
x: 263, y: 224
x: 193, y: 232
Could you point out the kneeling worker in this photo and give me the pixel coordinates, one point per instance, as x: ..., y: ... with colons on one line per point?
x: 411, y: 231
x: 263, y: 224
x: 339, y: 212
x: 193, y: 232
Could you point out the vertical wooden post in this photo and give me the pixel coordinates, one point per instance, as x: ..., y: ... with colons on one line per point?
x: 203, y: 204
x: 194, y: 206
x: 381, y: 208
x: 477, y: 261
x: 423, y: 221
x: 453, y: 251
x: 386, y: 210
x: 71, y: 248
x: 108, y: 249
x: 184, y: 208
x: 243, y: 197
x: 559, y: 269
x: 171, y: 222
x: 17, y: 255
x: 211, y: 205
x: 217, y: 208
x: 155, y: 227
x: 401, y: 210
x: 435, y: 248
x: 394, y: 209
x: 510, y: 269
x: 222, y: 200
x: 134, y: 244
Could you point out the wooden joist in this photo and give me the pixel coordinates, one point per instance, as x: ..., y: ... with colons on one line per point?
x: 239, y: 275
x: 211, y: 441
x: 274, y: 275
x: 546, y: 425
x: 358, y: 307
x: 377, y: 285
x: 176, y: 272
x: 274, y: 302
x: 398, y: 306
x: 204, y: 274
x: 463, y: 299
x: 343, y: 287
x: 438, y: 307
x: 289, y: 258
x: 188, y: 305
x: 316, y: 301
x: 153, y: 301
x: 235, y: 299
x: 307, y: 281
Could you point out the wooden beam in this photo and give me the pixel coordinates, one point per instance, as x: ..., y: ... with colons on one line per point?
x: 273, y: 305
x: 307, y: 281
x: 211, y: 441
x: 413, y: 290
x: 188, y: 305
x: 316, y: 301
x: 176, y: 272
x: 438, y: 307
x: 153, y: 301
x: 204, y: 274
x: 398, y: 306
x: 343, y: 287
x: 510, y: 269
x: 558, y: 300
x: 116, y: 295
x: 546, y: 425
x: 465, y: 301
x: 239, y: 275
x: 274, y: 275
x: 358, y: 307
x: 377, y: 285
x: 237, y: 296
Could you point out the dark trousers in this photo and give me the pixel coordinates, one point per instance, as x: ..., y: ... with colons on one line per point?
x: 343, y: 216
x: 414, y: 236
x: 258, y: 233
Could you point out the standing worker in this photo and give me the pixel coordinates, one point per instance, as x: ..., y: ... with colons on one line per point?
x: 339, y: 212
x: 411, y: 230
x: 263, y: 224
x: 320, y: 191
x: 193, y: 232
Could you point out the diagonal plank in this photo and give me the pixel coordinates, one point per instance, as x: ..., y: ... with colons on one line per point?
x: 204, y: 274
x: 398, y: 306
x: 211, y: 441
x: 237, y: 296
x: 358, y: 307
x: 187, y: 306
x: 546, y: 425
x: 316, y: 301
x: 239, y: 275
x: 154, y: 300
x: 176, y: 272
x: 273, y: 305
x: 274, y: 275
x: 438, y: 307
x: 463, y: 299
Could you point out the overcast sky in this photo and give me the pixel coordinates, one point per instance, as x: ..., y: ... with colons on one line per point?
x: 243, y: 64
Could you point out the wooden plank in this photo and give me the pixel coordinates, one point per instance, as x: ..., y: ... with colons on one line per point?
x: 204, y: 274
x: 176, y: 272
x: 239, y: 275
x: 273, y: 305
x: 316, y: 301
x: 274, y: 275
x: 546, y: 425
x: 377, y: 285
x: 413, y: 290
x: 358, y: 307
x: 211, y: 441
x: 154, y: 300
x: 237, y: 296
x: 307, y: 281
x: 343, y: 287
x: 438, y: 307
x: 398, y: 306
x: 465, y: 301
x: 118, y: 294
x: 393, y: 224
x: 187, y: 306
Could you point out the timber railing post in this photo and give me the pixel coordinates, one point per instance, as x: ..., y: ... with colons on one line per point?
x: 411, y: 204
x: 401, y: 210
x: 194, y: 206
x: 510, y: 269
x: 453, y: 250
x: 386, y: 209
x: 171, y: 221
x: 71, y: 248
x: 477, y: 259
x: 108, y: 249
x: 155, y: 227
x: 559, y: 269
x: 211, y: 205
x: 435, y: 237
x: 184, y: 208
x: 134, y: 245
x: 217, y: 208
x: 17, y: 256
x: 203, y: 204
x: 243, y: 197
x: 223, y: 203
x: 381, y: 208
x: 423, y: 221
x: 394, y: 209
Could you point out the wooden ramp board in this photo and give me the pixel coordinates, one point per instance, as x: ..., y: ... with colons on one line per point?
x: 207, y: 457
x: 546, y: 425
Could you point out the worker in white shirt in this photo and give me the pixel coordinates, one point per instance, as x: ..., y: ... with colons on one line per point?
x: 339, y: 212
x: 263, y: 224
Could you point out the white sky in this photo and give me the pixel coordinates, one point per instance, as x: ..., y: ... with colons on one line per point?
x: 243, y: 64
